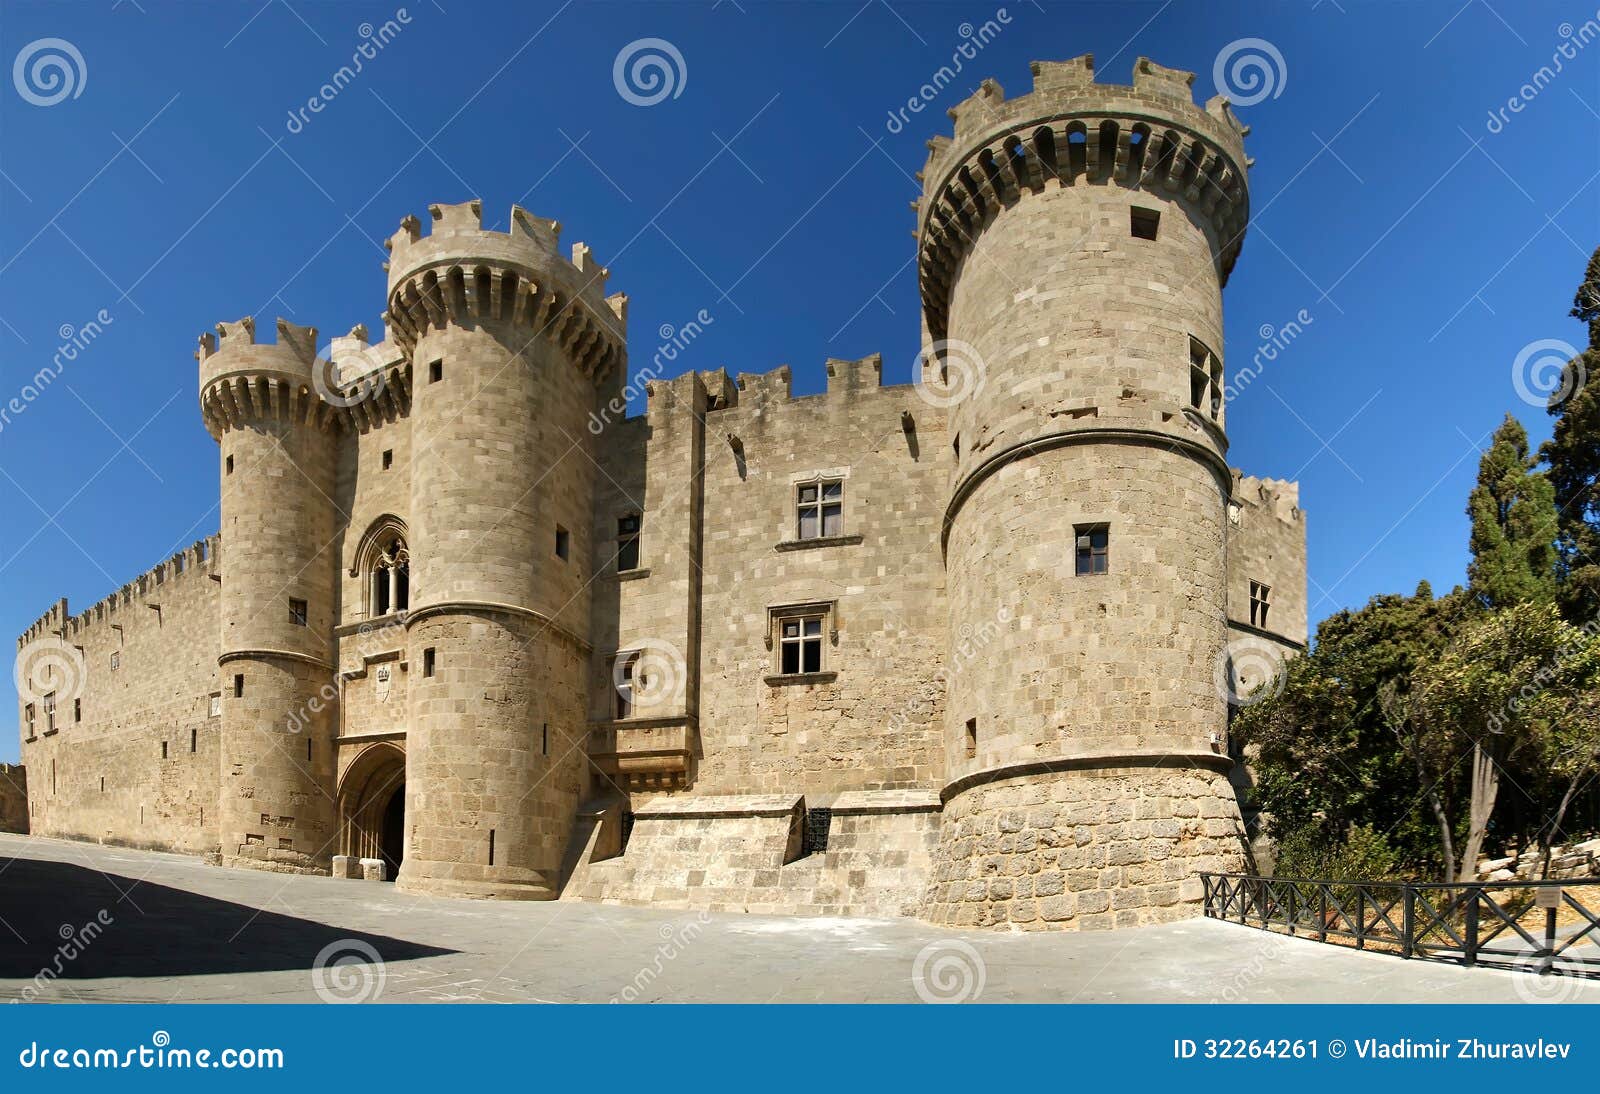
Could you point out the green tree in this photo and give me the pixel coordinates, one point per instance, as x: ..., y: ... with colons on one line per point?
x: 1573, y: 453
x: 1514, y: 529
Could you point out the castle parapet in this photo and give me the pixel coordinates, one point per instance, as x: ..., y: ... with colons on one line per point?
x: 463, y: 272
x: 199, y: 560
x: 242, y: 379
x: 1070, y: 129
x: 1280, y: 497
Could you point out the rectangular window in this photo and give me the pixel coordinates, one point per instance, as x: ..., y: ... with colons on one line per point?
x: 972, y: 738
x: 77, y: 710
x: 435, y: 371
x: 116, y: 660
x: 194, y: 740
x: 800, y: 645
x: 388, y: 458
x: 308, y: 750
x: 297, y: 612
x: 1143, y: 222
x: 544, y: 739
x: 427, y: 661
x: 27, y: 718
x: 230, y: 465
x: 50, y: 713
x: 1092, y: 548
x: 1258, y: 604
x: 622, y: 675
x: 216, y: 705
x: 820, y: 509
x: 163, y: 750
x: 628, y: 542
x: 238, y: 686
x: 563, y: 543
x: 1205, y: 380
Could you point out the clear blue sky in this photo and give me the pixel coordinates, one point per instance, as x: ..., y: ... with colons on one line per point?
x: 170, y: 192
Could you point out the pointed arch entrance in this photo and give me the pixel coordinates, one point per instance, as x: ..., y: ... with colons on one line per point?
x: 372, y: 806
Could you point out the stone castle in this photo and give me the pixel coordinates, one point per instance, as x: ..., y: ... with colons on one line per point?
x: 962, y: 649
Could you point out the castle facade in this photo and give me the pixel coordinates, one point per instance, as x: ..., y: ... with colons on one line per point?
x: 961, y: 649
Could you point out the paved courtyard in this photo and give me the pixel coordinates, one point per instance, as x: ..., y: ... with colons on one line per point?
x: 140, y: 926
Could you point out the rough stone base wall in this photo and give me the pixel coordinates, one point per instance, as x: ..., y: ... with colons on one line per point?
x: 13, y: 798
x: 876, y: 863
x: 1116, y: 847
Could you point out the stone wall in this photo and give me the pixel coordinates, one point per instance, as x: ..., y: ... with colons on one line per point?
x: 133, y: 756
x: 13, y: 798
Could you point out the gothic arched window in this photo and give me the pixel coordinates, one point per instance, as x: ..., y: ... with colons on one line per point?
x: 390, y: 587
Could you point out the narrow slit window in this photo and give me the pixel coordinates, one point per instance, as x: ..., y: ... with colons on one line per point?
x: 563, y: 543
x: 229, y: 464
x: 77, y: 710
x: 428, y: 664
x: 194, y: 740
x: 238, y: 686
x: 972, y: 738
x: 388, y: 458
x: 628, y: 542
x: 1093, y: 548
x: 163, y: 750
x: 50, y: 713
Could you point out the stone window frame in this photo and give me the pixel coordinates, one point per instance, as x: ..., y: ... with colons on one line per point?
x: 1205, y: 380
x: 817, y: 506
x: 384, y: 554
x: 827, y: 613
x: 28, y: 721
x: 47, y: 705
x: 116, y: 660
x: 820, y: 478
x: 629, y: 537
x: 1260, y: 603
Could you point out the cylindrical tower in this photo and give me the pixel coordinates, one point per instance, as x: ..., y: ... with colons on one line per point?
x: 511, y: 346
x: 278, y: 441
x: 1073, y: 246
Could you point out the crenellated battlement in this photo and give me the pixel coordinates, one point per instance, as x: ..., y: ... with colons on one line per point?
x: 1280, y: 497
x: 243, y: 380
x: 461, y: 272
x: 200, y: 560
x: 1070, y: 130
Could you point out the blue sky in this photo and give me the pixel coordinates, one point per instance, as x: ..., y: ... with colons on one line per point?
x: 1428, y: 244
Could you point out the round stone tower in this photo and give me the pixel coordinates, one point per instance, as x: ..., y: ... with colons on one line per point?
x: 278, y: 438
x: 512, y: 347
x: 1073, y: 244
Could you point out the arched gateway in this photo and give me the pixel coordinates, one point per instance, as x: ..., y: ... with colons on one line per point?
x: 372, y: 807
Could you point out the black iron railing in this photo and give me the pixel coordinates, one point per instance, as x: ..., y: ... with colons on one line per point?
x: 1545, y: 926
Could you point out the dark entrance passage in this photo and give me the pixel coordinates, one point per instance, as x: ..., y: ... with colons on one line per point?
x: 372, y: 807
x: 392, y: 842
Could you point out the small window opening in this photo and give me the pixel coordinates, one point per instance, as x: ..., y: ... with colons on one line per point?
x: 1093, y: 548
x: 624, y: 681
x: 972, y: 738
x: 229, y: 463
x: 820, y: 509
x: 194, y: 739
x: 800, y: 645
x: 297, y: 612
x: 544, y: 739
x: 77, y: 710
x: 628, y: 542
x: 308, y: 750
x: 491, y: 847
x: 427, y: 661
x: 1259, y: 595
x: 1144, y: 223
x: 563, y: 543
x: 435, y: 371
x: 238, y: 686
x: 163, y: 750
x: 388, y: 458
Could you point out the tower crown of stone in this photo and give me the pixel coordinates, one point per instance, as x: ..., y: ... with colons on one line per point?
x: 241, y: 378
x: 462, y: 272
x: 1070, y: 130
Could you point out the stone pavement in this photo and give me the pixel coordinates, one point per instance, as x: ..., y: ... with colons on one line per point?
x: 170, y: 929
